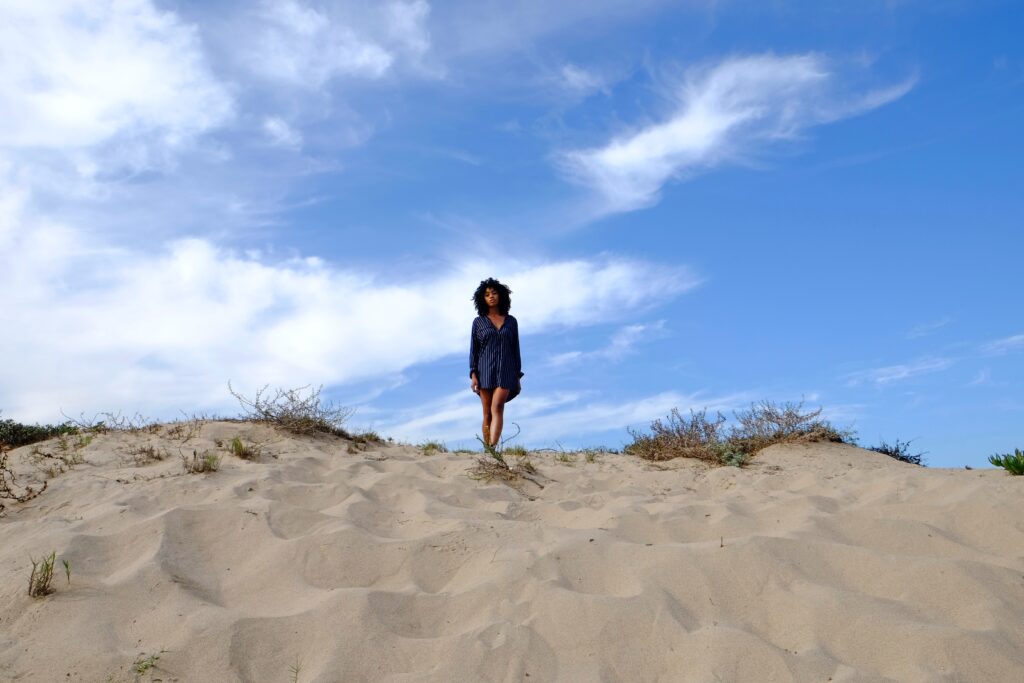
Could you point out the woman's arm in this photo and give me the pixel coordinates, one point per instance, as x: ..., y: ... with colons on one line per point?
x: 474, y: 356
x: 517, y: 358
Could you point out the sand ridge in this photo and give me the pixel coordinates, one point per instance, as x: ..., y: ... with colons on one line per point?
x: 818, y: 562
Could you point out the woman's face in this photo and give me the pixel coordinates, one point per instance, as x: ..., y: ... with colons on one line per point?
x: 490, y: 297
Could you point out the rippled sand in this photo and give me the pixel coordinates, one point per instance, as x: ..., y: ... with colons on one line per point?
x: 817, y: 563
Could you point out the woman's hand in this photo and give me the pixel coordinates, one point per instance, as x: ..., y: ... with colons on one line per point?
x: 474, y: 384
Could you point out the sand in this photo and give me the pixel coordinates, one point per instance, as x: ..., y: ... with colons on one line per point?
x: 818, y: 562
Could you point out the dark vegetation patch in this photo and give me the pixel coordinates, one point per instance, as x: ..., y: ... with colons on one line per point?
x: 900, y: 450
x: 14, y: 434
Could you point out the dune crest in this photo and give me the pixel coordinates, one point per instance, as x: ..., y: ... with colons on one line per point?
x: 819, y: 562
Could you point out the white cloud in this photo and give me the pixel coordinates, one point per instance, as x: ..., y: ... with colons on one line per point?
x: 296, y: 44
x: 301, y: 46
x: 721, y: 112
x: 896, y: 373
x: 1005, y: 345
x: 619, y: 345
x: 281, y: 133
x: 83, y: 73
x: 100, y: 327
x: 407, y: 26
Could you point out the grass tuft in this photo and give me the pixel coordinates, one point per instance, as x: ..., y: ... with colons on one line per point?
x: 243, y: 450
x: 143, y: 455
x: 198, y: 464
x: 42, y: 575
x: 517, y: 450
x: 1012, y: 463
x: 432, y: 447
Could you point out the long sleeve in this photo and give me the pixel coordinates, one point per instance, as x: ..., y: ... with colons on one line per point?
x: 518, y: 359
x: 474, y: 351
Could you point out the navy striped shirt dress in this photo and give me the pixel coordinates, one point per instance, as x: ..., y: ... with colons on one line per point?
x: 494, y: 354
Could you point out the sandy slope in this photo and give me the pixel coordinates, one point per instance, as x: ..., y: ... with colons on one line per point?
x: 817, y: 563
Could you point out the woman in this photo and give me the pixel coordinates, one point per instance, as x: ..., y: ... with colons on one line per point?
x: 495, y: 366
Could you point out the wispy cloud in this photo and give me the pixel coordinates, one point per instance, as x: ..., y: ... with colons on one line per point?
x: 982, y: 377
x: 1004, y: 345
x: 722, y: 112
x: 897, y: 373
x: 281, y: 133
x: 619, y: 345
x: 300, y: 45
x: 582, y: 81
x: 924, y: 329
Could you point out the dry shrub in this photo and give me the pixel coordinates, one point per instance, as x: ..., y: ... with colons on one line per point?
x: 298, y: 411
x: 9, y: 486
x: 762, y: 425
x: 494, y: 466
x: 680, y: 437
x: 766, y: 423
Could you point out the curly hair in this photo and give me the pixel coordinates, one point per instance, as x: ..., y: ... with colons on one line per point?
x: 504, y: 296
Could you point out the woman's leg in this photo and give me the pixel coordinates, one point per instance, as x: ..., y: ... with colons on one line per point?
x: 497, y: 413
x: 485, y: 401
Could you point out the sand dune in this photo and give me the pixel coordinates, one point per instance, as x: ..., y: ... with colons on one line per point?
x: 818, y: 562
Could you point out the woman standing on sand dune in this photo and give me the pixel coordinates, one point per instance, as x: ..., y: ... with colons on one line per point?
x: 495, y: 366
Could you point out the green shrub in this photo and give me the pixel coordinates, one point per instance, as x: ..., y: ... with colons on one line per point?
x: 16, y: 434
x: 1014, y: 464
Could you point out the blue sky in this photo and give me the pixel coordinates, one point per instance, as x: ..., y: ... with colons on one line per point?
x: 696, y: 204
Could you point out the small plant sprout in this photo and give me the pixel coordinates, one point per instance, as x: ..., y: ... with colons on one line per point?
x: 67, y: 569
x: 295, y: 668
x: 143, y: 664
x: 1014, y: 464
x: 42, y: 575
